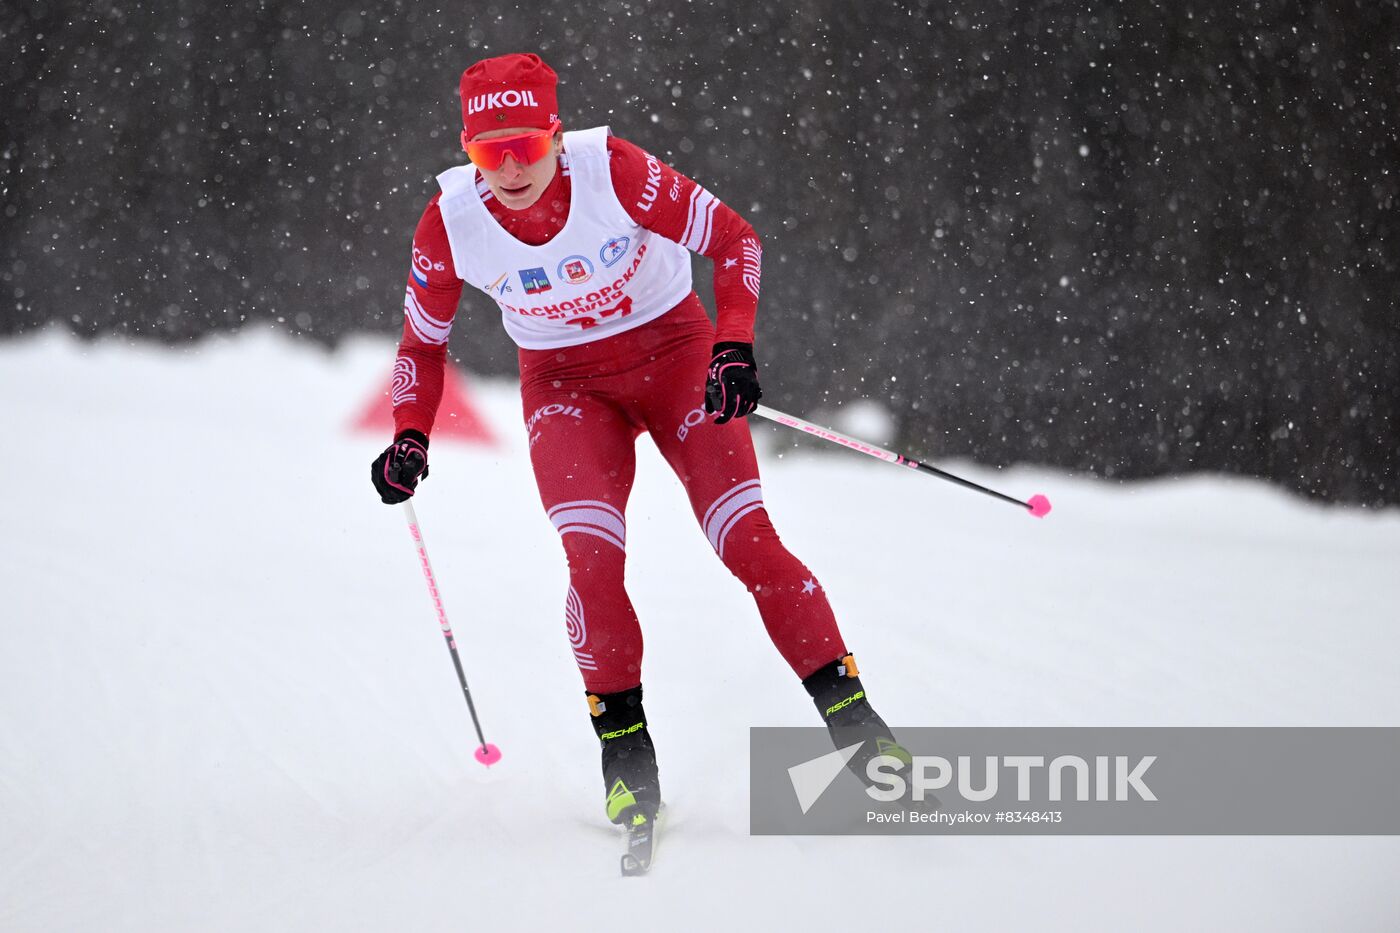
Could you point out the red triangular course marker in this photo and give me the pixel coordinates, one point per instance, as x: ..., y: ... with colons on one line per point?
x: 457, y: 417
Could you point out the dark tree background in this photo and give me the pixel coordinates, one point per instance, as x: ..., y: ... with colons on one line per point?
x: 1133, y: 238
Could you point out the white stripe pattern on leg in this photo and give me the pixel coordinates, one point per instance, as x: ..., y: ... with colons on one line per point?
x: 590, y: 517
x: 577, y: 628
x: 724, y: 513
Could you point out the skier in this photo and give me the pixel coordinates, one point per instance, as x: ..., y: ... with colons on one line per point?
x: 581, y: 238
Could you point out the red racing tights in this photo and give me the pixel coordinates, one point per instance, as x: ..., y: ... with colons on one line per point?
x: 584, y: 408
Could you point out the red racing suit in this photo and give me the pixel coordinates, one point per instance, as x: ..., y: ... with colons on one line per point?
x: 585, y: 404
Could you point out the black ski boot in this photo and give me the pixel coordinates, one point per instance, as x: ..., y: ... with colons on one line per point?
x: 836, y: 689
x: 629, y: 759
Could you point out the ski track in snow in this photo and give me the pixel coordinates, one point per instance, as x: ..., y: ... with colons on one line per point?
x: 225, y: 703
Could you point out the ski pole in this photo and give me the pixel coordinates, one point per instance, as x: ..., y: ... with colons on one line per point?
x: 487, y: 753
x: 1038, y: 505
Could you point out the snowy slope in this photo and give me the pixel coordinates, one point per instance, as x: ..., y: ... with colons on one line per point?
x: 225, y: 705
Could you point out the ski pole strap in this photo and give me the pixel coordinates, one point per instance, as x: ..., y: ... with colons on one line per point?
x: 1038, y: 505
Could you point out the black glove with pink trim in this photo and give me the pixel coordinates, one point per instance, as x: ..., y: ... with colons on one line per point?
x: 398, y: 469
x: 731, y: 388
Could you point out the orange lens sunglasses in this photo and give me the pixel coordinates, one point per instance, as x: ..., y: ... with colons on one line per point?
x: 525, y: 148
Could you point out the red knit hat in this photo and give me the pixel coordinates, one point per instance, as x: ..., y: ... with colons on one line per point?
x: 509, y: 90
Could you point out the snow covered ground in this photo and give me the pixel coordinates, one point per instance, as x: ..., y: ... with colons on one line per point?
x: 225, y: 704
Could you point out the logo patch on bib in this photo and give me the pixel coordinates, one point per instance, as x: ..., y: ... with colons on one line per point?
x: 575, y: 270
x: 535, y: 281
x: 613, y: 250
